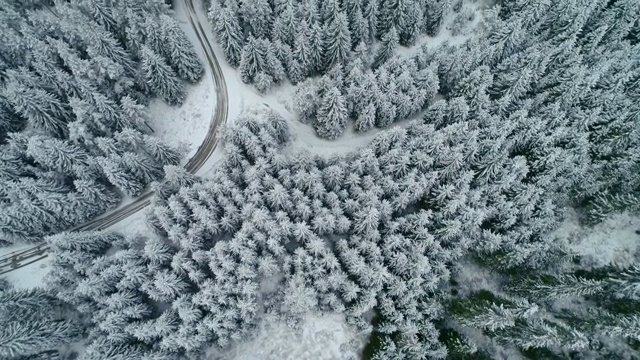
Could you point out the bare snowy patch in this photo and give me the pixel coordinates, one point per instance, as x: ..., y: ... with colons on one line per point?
x: 185, y: 126
x: 472, y: 278
x: 30, y: 276
x: 316, y: 337
x: 133, y: 225
x: 458, y: 27
x: 612, y: 242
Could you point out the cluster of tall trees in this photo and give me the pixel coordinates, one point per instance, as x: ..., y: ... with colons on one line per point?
x: 549, y: 315
x: 35, y: 324
x: 272, y: 40
x: 395, y: 91
x: 533, y: 71
x: 563, y: 87
x: 374, y: 231
x: 74, y: 81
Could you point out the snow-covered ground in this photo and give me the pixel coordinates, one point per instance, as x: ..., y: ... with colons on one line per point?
x: 29, y: 276
x: 445, y: 34
x: 319, y: 337
x: 133, y: 225
x: 185, y: 126
x: 612, y: 242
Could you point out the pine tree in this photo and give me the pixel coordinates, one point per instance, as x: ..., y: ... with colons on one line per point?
x: 397, y: 14
x: 366, y: 119
x: 182, y: 55
x: 371, y: 17
x: 317, y: 47
x: 332, y: 115
x: 143, y: 167
x: 119, y: 176
x: 229, y: 34
x: 160, y: 152
x: 133, y: 115
x: 303, y: 65
x: 434, y: 15
x: 252, y: 60
x: 337, y: 42
x: 56, y: 154
x: 259, y: 17
x: 31, y: 325
x: 43, y: 110
x: 284, y: 27
x: 161, y: 78
x: 389, y: 44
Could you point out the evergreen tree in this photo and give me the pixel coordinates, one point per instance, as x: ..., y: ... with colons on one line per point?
x: 161, y: 78
x: 389, y: 43
x: 332, y: 115
x: 337, y: 42
x: 252, y: 60
x: 284, y: 27
x: 118, y: 175
x: 258, y: 16
x: 182, y: 55
x: 317, y: 44
x: 229, y: 33
x: 366, y: 119
x: 56, y: 154
x: 303, y: 64
x: 43, y: 110
x: 31, y: 325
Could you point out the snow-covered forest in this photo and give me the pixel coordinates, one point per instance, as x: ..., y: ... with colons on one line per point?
x: 74, y: 80
x: 494, y: 215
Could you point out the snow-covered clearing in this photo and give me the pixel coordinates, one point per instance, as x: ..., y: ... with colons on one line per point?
x: 185, y: 126
x: 319, y: 337
x: 29, y: 276
x: 612, y: 242
x: 133, y: 225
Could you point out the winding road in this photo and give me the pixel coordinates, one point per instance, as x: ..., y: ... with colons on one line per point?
x: 18, y: 259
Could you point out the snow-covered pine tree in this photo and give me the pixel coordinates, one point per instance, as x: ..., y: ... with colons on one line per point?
x: 390, y: 42
x: 43, y: 110
x: 229, y: 33
x: 182, y: 55
x: 332, y: 115
x: 161, y: 78
x: 33, y: 324
x: 56, y: 155
x: 337, y: 42
x: 258, y: 17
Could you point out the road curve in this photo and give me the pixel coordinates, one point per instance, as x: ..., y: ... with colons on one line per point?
x: 18, y: 259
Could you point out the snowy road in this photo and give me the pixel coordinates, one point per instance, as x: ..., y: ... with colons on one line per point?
x: 18, y: 259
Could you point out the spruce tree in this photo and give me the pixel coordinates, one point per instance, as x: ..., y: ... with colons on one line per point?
x: 161, y: 78
x: 385, y: 51
x: 229, y: 34
x: 337, y: 42
x: 332, y: 115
